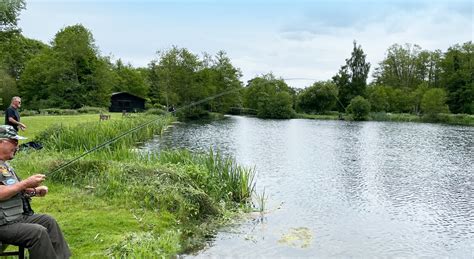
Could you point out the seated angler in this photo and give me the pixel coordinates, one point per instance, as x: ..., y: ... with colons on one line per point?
x: 19, y: 225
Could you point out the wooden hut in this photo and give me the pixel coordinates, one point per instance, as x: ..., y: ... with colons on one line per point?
x: 123, y: 101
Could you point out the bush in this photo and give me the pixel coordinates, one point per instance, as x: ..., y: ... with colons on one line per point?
x: 156, y: 111
x: 56, y: 111
x: 92, y: 110
x: 434, y: 102
x: 359, y: 108
x: 28, y: 113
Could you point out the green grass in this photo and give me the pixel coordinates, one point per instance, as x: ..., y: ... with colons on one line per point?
x: 452, y: 119
x: 116, y: 202
x: 37, y: 124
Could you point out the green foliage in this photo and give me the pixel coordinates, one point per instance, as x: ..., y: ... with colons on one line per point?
x: 179, y: 78
x: 69, y: 75
x: 318, y: 98
x: 434, y: 102
x: 8, y: 89
x: 359, y: 108
x: 16, y: 50
x: 379, y: 98
x: 351, y: 79
x: 129, y: 79
x: 61, y: 137
x: 141, y: 204
x: 56, y: 111
x: 91, y: 110
x: 458, y: 77
x: 271, y: 97
x: 9, y: 11
x: 146, y: 245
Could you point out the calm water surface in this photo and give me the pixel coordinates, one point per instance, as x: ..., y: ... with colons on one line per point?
x: 345, y: 189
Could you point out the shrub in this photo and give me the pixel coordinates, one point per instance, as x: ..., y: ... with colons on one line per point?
x: 29, y: 113
x: 359, y: 108
x: 92, y: 110
x: 56, y: 111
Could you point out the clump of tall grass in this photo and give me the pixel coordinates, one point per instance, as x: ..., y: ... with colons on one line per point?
x: 146, y: 245
x: 155, y: 188
x: 88, y: 135
x: 224, y: 179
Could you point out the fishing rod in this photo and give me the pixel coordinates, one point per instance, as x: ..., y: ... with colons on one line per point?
x: 112, y: 140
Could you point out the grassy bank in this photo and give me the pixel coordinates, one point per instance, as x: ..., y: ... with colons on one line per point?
x: 123, y: 203
x: 452, y: 119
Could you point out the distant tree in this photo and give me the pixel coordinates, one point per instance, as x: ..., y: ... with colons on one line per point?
x: 226, y: 79
x: 129, y: 79
x: 8, y: 89
x: 378, y: 98
x: 457, y: 77
x: 271, y: 97
x: 417, y: 95
x: 359, y: 108
x: 434, y: 102
x: 319, y: 97
x: 9, y: 11
x: 402, y: 67
x: 351, y: 79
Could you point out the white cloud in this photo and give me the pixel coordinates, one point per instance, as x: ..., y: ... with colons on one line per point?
x: 297, y: 40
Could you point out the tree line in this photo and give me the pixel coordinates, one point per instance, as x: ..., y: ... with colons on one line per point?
x: 70, y: 73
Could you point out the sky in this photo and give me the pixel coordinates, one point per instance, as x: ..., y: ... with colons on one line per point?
x: 300, y: 41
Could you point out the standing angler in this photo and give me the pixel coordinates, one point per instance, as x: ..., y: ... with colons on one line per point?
x: 12, y: 116
x: 18, y: 224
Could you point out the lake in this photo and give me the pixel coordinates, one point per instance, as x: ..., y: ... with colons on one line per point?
x: 344, y: 189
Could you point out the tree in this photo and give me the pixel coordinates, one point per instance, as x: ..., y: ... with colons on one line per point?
x: 359, y: 108
x: 129, y: 79
x: 69, y: 75
x: 226, y: 79
x: 434, y: 102
x: 16, y: 50
x: 271, y: 97
x: 351, y: 79
x: 378, y: 98
x: 320, y: 97
x: 8, y: 89
x: 458, y: 77
x: 174, y: 77
x: 9, y: 11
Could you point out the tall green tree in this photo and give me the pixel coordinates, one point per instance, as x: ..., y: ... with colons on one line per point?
x: 406, y: 67
x: 8, y: 89
x: 16, y: 50
x: 434, y: 102
x: 271, y: 97
x: 9, y: 11
x: 69, y: 75
x: 129, y: 79
x: 458, y: 77
x: 320, y: 97
x: 351, y: 79
x: 226, y: 79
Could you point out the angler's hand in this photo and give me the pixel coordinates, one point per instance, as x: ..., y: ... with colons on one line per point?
x: 41, y: 191
x: 34, y: 180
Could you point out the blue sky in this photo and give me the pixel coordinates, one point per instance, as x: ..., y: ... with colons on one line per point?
x: 292, y: 39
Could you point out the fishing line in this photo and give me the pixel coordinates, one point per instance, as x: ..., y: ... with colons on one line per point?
x: 64, y: 165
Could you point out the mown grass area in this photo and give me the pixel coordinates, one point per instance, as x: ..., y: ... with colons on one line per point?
x: 117, y: 202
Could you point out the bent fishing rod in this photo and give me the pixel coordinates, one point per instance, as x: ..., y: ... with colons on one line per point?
x: 112, y: 140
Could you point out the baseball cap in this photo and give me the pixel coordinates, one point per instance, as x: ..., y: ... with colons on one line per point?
x: 7, y: 131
